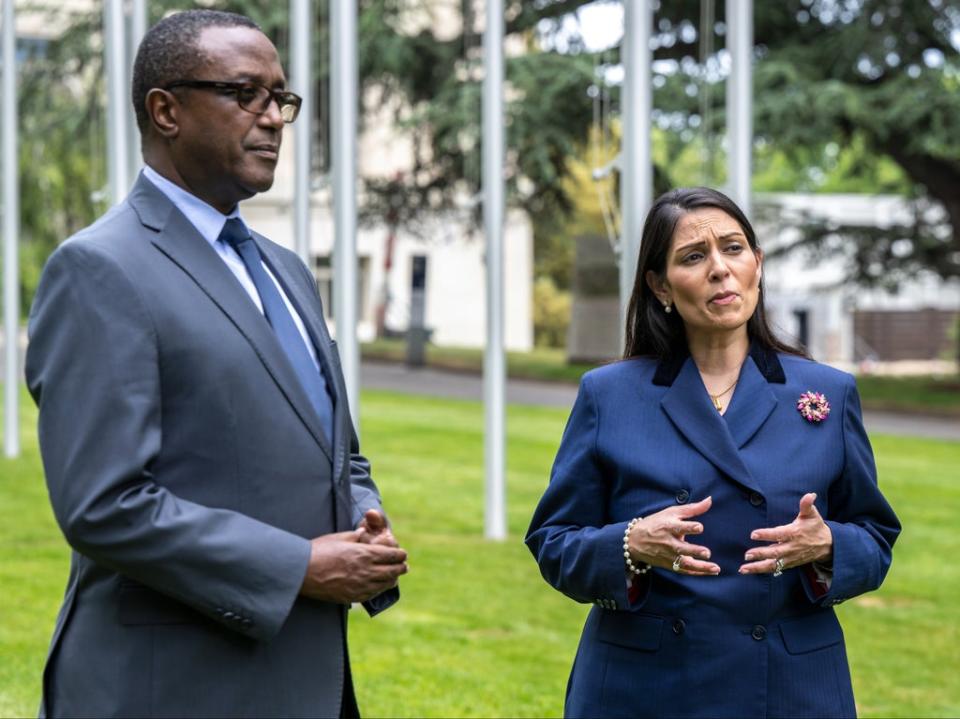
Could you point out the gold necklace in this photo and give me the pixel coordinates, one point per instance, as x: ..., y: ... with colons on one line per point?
x: 716, y: 397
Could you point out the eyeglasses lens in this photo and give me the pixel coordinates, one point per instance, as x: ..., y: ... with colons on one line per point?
x: 257, y: 100
x: 289, y: 111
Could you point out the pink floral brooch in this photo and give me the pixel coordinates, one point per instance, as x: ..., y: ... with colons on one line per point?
x: 813, y: 406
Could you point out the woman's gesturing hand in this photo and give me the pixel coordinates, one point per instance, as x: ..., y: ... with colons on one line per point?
x: 806, y: 539
x: 659, y: 540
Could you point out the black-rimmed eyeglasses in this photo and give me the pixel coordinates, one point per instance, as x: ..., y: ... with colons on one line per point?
x: 250, y: 96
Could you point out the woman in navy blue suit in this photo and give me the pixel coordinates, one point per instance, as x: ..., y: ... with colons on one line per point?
x: 714, y: 495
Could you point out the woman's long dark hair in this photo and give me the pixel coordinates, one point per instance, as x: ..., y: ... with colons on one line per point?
x: 650, y: 331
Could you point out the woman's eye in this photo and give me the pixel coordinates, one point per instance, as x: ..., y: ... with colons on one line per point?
x: 692, y: 257
x: 734, y: 247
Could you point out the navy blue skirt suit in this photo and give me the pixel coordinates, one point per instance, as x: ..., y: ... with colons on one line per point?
x: 643, y: 436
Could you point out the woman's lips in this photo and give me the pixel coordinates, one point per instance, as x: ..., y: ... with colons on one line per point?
x: 724, y: 299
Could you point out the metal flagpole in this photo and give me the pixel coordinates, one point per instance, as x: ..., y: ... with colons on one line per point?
x: 343, y: 154
x: 114, y: 46
x: 11, y: 232
x: 494, y: 368
x: 138, y: 28
x: 636, y: 185
x: 740, y: 101
x: 301, y: 31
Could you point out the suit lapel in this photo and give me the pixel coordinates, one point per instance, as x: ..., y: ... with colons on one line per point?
x: 753, y: 402
x: 179, y: 240
x: 302, y: 301
x: 689, y: 407
x: 305, y: 304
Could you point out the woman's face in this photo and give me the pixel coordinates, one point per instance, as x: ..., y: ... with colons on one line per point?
x: 712, y: 276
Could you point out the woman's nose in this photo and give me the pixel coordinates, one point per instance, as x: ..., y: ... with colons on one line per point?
x: 718, y: 267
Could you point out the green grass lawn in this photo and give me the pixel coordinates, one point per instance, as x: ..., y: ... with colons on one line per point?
x: 541, y: 363
x: 478, y: 633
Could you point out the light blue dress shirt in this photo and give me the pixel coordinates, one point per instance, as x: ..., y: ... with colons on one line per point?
x: 209, y: 222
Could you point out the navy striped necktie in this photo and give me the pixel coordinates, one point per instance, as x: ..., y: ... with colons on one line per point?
x: 236, y: 235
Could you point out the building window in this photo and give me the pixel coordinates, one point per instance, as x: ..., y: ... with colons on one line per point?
x: 324, y: 276
x: 802, y: 319
x: 323, y: 272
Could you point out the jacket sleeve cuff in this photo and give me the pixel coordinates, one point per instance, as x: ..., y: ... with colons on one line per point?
x: 623, y: 589
x: 382, y: 601
x: 827, y: 589
x: 276, y: 602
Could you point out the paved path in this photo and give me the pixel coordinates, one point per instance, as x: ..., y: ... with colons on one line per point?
x: 398, y: 377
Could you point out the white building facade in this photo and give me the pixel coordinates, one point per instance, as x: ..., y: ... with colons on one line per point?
x: 807, y: 299
x: 455, y: 299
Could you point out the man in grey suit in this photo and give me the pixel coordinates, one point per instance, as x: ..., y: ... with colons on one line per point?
x: 195, y: 435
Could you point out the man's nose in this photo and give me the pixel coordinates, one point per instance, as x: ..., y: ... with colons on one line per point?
x: 272, y: 116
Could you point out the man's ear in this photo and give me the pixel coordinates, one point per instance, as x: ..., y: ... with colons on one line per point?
x: 658, y: 287
x: 163, y: 110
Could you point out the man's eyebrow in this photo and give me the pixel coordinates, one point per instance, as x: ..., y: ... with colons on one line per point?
x: 280, y: 84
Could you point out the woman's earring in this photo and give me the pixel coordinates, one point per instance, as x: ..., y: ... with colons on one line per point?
x: 667, y: 307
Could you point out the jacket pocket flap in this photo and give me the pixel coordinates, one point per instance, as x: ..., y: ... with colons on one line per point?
x: 812, y: 632
x: 633, y: 631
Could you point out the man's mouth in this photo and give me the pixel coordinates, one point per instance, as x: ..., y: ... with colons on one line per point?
x: 269, y: 152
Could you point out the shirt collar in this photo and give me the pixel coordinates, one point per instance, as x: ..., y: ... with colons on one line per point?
x: 208, y: 220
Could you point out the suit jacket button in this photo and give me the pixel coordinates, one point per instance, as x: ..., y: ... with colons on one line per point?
x: 682, y: 496
x: 246, y: 623
x: 679, y: 626
x: 228, y: 615
x: 759, y: 633
x: 756, y: 499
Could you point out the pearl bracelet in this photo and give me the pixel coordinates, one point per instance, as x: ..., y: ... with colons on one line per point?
x: 631, y: 567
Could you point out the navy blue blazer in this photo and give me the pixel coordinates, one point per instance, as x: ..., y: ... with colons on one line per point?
x: 643, y: 436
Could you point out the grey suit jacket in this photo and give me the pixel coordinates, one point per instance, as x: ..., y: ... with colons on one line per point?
x: 187, y: 470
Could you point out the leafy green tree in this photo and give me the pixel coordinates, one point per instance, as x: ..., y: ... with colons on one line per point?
x: 61, y: 150
x: 847, y: 92
x: 882, y: 75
